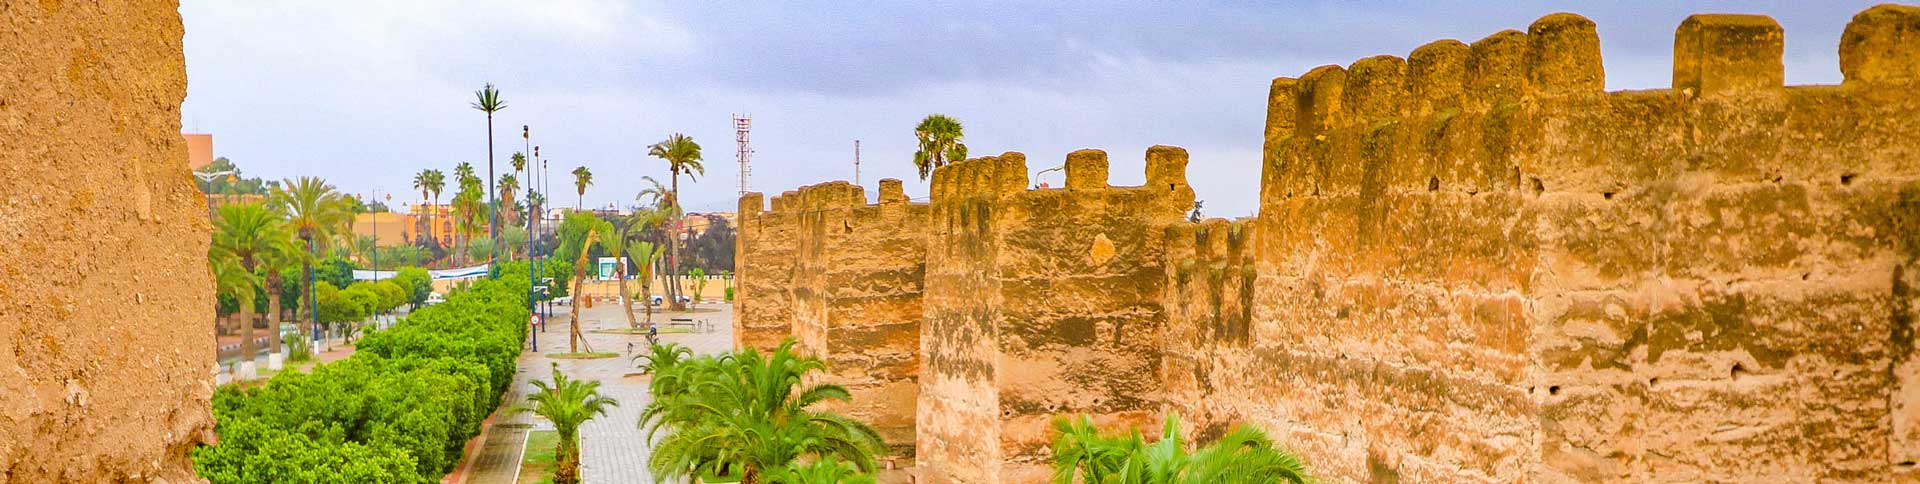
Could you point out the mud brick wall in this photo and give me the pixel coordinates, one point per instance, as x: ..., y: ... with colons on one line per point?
x: 106, y: 302
x: 1475, y: 265
x: 1471, y: 264
x: 1041, y: 303
x: 851, y: 295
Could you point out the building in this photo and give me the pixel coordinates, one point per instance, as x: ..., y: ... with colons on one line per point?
x: 697, y: 223
x: 199, y: 149
x: 387, y: 228
x: 439, y: 215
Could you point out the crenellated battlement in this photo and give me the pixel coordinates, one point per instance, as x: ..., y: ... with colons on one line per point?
x: 1470, y: 264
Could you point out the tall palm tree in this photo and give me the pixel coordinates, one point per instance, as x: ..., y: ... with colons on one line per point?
x: 466, y: 204
x: 939, y: 137
x: 682, y: 155
x: 245, y: 234
x: 582, y: 178
x: 748, y: 414
x: 567, y: 403
x: 487, y: 100
x: 273, y: 265
x: 315, y: 212
x: 1243, y: 456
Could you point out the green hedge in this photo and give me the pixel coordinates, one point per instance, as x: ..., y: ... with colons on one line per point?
x: 399, y: 411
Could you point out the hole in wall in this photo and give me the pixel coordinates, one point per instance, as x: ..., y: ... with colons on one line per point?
x: 1778, y: 178
x: 1553, y: 390
x: 1607, y: 195
x: 1653, y: 382
x: 1739, y: 371
x: 1805, y: 275
x: 1433, y: 183
x: 1905, y: 463
x: 1539, y: 187
x: 1846, y: 179
x: 848, y: 226
x: 1170, y: 187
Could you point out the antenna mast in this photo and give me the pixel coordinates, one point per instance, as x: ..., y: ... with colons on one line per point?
x: 856, y: 162
x: 741, y: 124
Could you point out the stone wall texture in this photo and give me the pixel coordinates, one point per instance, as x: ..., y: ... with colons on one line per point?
x: 1471, y: 264
x: 105, y: 296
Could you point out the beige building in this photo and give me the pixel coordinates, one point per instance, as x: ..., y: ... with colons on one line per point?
x: 387, y: 228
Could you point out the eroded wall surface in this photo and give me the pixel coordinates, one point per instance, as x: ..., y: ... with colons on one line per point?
x: 851, y: 293
x: 1471, y: 264
x: 105, y: 296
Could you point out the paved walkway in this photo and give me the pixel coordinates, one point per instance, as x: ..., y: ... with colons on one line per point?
x: 613, y: 448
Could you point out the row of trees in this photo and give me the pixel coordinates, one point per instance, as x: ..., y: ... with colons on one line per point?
x: 398, y: 411
x: 255, y: 246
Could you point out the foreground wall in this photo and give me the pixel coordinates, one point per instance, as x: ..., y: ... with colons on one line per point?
x: 1469, y: 265
x: 105, y: 297
x: 850, y: 294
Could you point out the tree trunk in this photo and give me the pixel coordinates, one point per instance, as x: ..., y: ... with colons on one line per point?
x: 626, y: 299
x: 673, y: 248
x: 247, y: 348
x: 573, y: 334
x: 646, y: 293
x: 273, y: 313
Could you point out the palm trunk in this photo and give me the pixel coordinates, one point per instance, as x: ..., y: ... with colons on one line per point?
x: 673, y: 249
x: 626, y: 299
x: 579, y: 274
x: 493, y: 209
x: 273, y: 312
x: 646, y: 291
x: 247, y: 348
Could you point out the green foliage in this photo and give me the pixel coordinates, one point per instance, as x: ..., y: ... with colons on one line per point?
x: 235, y: 184
x: 567, y: 403
x: 749, y: 413
x: 392, y: 295
x: 334, y: 270
x: 1243, y: 455
x: 398, y: 411
x: 335, y: 306
x: 417, y: 281
x: 823, y: 471
x: 939, y: 137
x: 573, y: 232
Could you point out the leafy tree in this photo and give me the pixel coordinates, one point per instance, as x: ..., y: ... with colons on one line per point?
x: 231, y: 184
x: 682, y: 155
x: 418, y: 282
x: 748, y: 414
x: 567, y: 403
x: 939, y: 136
x: 1243, y: 455
x: 335, y: 270
x: 468, y: 207
x: 392, y: 294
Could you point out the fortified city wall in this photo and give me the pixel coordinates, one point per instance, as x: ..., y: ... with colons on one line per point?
x: 1470, y: 265
x: 105, y: 296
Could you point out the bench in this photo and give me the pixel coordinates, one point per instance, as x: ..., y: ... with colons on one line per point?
x: 699, y: 325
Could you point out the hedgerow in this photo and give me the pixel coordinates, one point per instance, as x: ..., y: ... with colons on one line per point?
x: 399, y: 411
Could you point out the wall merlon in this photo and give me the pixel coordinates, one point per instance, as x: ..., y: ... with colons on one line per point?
x: 1086, y: 169
x: 1718, y: 53
x: 892, y: 191
x: 1167, y: 170
x: 1496, y: 69
x: 1437, y: 76
x: 751, y: 204
x: 1563, y: 56
x: 1882, y: 46
x: 1282, y: 110
x: 1376, y: 89
x: 1010, y: 174
x: 1319, y: 95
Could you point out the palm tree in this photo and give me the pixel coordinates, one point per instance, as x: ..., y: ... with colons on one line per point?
x: 245, y: 234
x: 643, y: 254
x: 580, y: 274
x: 315, y: 212
x: 466, y: 204
x: 232, y: 280
x: 683, y: 156
x: 699, y: 278
x: 430, y: 182
x: 508, y: 185
x: 616, y: 248
x: 567, y: 403
x: 1243, y: 455
x: 939, y: 137
x: 274, y: 264
x: 823, y: 470
x: 487, y: 100
x: 653, y: 194
x: 582, y: 178
x: 748, y: 414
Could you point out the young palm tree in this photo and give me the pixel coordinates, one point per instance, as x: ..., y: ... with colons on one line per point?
x: 939, y: 137
x: 828, y: 470
x: 315, y: 212
x: 273, y: 265
x: 748, y: 414
x: 653, y: 194
x: 643, y: 254
x: 1243, y: 455
x: 487, y: 100
x: 682, y: 155
x: 245, y: 234
x: 582, y: 178
x: 232, y: 280
x: 567, y: 403
x: 699, y: 278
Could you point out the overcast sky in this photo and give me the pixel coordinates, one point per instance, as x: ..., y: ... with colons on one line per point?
x: 366, y: 93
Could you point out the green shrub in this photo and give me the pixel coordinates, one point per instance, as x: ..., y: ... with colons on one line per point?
x: 397, y: 411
